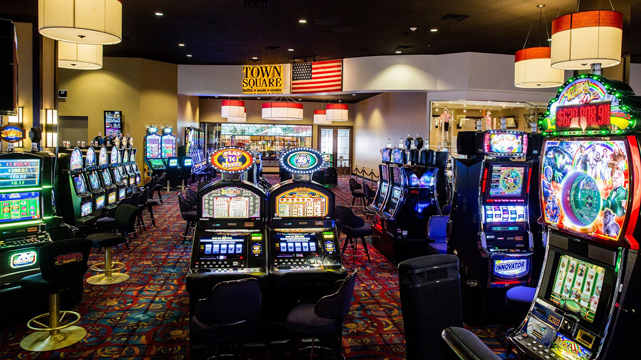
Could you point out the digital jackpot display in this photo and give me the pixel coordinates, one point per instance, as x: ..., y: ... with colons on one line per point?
x: 302, y: 202
x: 506, y: 181
x: 230, y: 202
x: 585, y: 186
x: 19, y: 206
x: 19, y: 172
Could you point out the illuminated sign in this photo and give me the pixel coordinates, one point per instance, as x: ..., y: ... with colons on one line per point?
x: 12, y: 133
x: 68, y: 258
x: 232, y: 159
x: 302, y: 160
x: 505, y: 143
x: 173, y: 162
x: 263, y: 79
x: 511, y: 268
x: 23, y: 259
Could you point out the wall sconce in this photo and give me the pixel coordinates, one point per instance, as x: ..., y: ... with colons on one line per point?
x: 51, y: 128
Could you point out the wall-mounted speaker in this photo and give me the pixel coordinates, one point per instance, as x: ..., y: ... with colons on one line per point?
x: 8, y: 68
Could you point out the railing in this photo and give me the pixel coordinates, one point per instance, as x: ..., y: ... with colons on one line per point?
x: 365, y: 176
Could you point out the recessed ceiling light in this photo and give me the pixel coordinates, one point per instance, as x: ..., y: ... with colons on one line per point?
x: 290, y: 49
x: 188, y: 55
x: 413, y: 28
x: 258, y: 98
x: 398, y: 51
x: 181, y: 44
x: 159, y: 14
x: 300, y: 99
x: 254, y: 58
x: 302, y: 21
x: 353, y: 94
x: 433, y: 30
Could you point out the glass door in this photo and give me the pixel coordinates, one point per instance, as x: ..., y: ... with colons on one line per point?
x: 336, y: 141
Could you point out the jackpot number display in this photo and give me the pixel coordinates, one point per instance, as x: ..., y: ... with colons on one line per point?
x: 19, y: 173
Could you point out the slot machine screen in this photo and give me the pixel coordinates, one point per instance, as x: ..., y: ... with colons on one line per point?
x: 128, y: 169
x: 75, y: 162
x: 382, y: 193
x: 117, y: 176
x: 230, y: 203
x: 302, y: 202
x: 506, y: 181
x: 168, y: 146
x: 106, y: 177
x: 585, y: 186
x: 79, y: 184
x: 397, y: 175
x: 19, y: 172
x: 385, y: 173
x: 86, y: 209
x: 122, y: 193
x: 100, y: 202
x: 173, y: 162
x: 506, y: 143
x: 93, y: 180
x: 187, y: 162
x: 156, y: 163
x: 19, y: 206
x: 222, y: 247
x: 114, y: 156
x: 132, y: 181
x: 295, y: 244
x: 505, y: 214
x: 386, y: 155
x: 112, y: 197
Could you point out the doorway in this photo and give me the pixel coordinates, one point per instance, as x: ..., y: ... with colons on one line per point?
x: 337, y: 141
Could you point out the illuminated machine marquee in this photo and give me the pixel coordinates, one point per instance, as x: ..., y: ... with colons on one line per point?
x: 230, y: 202
x: 589, y: 105
x: 505, y: 143
x: 302, y: 202
x: 232, y: 159
x: 302, y: 160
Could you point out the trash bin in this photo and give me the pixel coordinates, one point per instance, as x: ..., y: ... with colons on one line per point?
x: 430, y: 291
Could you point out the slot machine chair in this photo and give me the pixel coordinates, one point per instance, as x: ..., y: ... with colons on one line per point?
x: 62, y: 266
x: 354, y: 228
x: 142, y: 205
x: 125, y: 220
x: 467, y: 345
x: 358, y: 195
x: 190, y: 216
x: 229, y: 312
x: 158, y: 187
x: 437, y: 234
x: 325, y: 317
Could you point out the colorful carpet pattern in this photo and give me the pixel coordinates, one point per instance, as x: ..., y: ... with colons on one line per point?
x: 147, y: 316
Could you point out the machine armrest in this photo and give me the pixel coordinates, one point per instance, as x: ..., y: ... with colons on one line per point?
x: 467, y: 345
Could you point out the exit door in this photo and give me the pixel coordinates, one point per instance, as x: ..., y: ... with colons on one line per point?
x: 337, y: 141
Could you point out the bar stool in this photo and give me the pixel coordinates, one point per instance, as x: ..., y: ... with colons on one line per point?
x: 62, y: 266
x: 353, y: 227
x: 125, y: 219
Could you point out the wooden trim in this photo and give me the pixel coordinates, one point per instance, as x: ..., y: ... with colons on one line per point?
x: 335, y: 142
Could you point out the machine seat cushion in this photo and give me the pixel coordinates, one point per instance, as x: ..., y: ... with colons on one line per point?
x: 151, y: 202
x: 213, y: 334
x: 303, y: 319
x: 191, y: 215
x: 358, y: 193
x: 520, y: 298
x: 35, y: 283
x: 437, y: 248
x: 358, y: 232
x: 106, y: 239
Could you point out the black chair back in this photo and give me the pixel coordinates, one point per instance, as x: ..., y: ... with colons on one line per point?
x: 64, y: 261
x: 183, y: 204
x: 143, y: 197
x: 190, y: 193
x: 369, y: 195
x: 135, y: 199
x: 336, y: 305
x: 349, y: 219
x: 353, y: 183
x: 230, y: 303
x: 125, y: 218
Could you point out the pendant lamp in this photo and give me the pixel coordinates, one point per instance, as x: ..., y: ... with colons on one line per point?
x: 336, y: 112
x: 79, y: 56
x: 584, y: 38
x: 232, y: 108
x: 320, y: 118
x: 238, y: 119
x: 96, y: 22
x: 282, y: 108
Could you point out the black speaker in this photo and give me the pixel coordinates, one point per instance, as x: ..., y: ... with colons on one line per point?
x: 430, y: 289
x: 466, y: 143
x: 8, y: 68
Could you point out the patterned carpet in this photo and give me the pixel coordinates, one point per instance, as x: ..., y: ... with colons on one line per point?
x: 147, y: 316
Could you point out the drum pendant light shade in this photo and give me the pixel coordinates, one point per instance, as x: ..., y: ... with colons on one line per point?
x: 288, y: 111
x: 79, y: 56
x: 232, y: 108
x: 96, y: 22
x: 239, y: 119
x: 532, y: 69
x: 336, y: 112
x: 585, y: 38
x: 320, y: 118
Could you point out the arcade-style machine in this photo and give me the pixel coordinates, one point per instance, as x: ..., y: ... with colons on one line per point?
x: 590, y: 190
x: 75, y: 193
x: 382, y: 190
x: 304, y: 250
x: 120, y: 167
x: 111, y: 190
x: 121, y: 184
x: 126, y: 164
x: 92, y: 179
x: 169, y: 155
x: 153, y: 153
x: 133, y: 164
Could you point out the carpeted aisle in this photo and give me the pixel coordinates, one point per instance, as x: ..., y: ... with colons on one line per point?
x: 147, y: 316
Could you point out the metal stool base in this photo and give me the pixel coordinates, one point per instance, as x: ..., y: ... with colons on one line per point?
x: 44, y: 341
x: 104, y: 279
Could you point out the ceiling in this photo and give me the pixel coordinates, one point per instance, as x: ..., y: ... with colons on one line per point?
x: 235, y: 31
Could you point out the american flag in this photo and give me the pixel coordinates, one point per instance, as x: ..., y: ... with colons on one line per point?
x: 320, y: 76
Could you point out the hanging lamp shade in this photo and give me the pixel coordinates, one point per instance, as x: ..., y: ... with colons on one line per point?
x: 532, y: 69
x: 96, y: 22
x: 282, y: 110
x: 238, y: 119
x: 232, y: 108
x: 79, y: 56
x: 320, y: 118
x: 584, y: 38
x: 336, y: 112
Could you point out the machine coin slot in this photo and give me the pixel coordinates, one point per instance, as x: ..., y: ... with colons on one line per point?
x: 585, y: 338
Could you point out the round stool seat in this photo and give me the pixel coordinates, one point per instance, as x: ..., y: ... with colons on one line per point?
x: 520, y: 298
x: 151, y: 202
x: 191, y: 215
x: 106, y: 239
x: 302, y: 319
x: 35, y: 283
x: 358, y: 232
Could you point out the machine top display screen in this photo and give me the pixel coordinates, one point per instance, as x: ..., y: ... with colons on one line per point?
x: 152, y: 147
x: 398, y: 156
x: 505, y: 143
x: 75, y: 163
x: 19, y: 172
x: 19, y: 206
x: 506, y: 181
x: 585, y: 186
x: 125, y: 157
x: 102, y: 157
x: 114, y: 156
x: 231, y: 203
x: 168, y: 146
x: 302, y: 202
x: 90, y: 157
x: 386, y: 155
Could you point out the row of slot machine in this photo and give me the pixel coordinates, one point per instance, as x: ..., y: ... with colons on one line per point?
x: 408, y: 194
x: 285, y: 236
x: 90, y: 183
x: 160, y: 152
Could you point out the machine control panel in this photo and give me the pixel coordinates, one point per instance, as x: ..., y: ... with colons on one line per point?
x: 300, y: 251
x: 25, y: 241
x: 230, y: 252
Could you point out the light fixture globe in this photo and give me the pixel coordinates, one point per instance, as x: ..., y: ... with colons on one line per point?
x: 320, y: 118
x: 585, y: 38
x: 79, y: 56
x: 282, y: 110
x: 336, y: 112
x: 238, y: 119
x: 97, y: 22
x: 532, y: 69
x: 232, y: 108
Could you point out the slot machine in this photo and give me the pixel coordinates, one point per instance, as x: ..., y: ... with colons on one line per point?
x: 382, y: 190
x: 134, y: 164
x: 153, y: 154
x: 92, y: 179
x: 168, y: 144
x: 127, y: 167
x: 304, y: 250
x: 78, y: 208
x: 121, y: 184
x: 590, y: 194
x: 111, y: 190
x: 123, y: 173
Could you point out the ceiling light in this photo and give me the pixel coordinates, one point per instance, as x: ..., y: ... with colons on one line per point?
x: 302, y: 21
x: 181, y: 44
x: 290, y: 49
x: 81, y: 22
x: 159, y: 14
x: 433, y: 30
x: 300, y: 99
x: 464, y: 111
x: 254, y: 58
x: 398, y: 51
x: 413, y: 28
x: 79, y: 56
x: 188, y: 55
x: 353, y: 94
